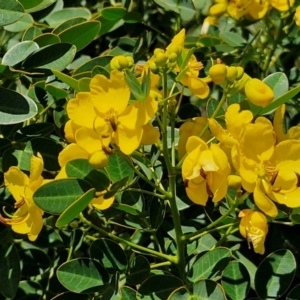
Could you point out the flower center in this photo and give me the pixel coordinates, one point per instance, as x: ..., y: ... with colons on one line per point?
x: 111, y: 117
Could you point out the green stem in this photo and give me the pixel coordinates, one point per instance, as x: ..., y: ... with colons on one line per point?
x: 190, y: 237
x: 195, y: 237
x: 162, y: 264
x: 170, y: 258
x: 222, y: 240
x: 145, y: 192
x: 180, y: 254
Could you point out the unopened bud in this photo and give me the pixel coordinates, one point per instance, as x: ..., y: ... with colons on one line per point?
x: 234, y: 182
x: 98, y: 160
x: 218, y: 73
x: 231, y: 74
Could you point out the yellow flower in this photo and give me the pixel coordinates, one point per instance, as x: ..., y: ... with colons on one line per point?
x: 292, y: 133
x: 28, y: 217
x: 297, y: 16
x: 205, y: 171
x: 254, y: 228
x: 271, y: 172
x: 218, y: 73
x: 191, y: 128
x: 235, y: 123
x: 258, y: 92
x: 72, y: 152
x: 196, y: 85
x: 106, y: 110
x: 282, y: 5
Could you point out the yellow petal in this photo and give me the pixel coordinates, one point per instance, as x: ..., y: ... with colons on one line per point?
x: 36, y: 169
x: 198, y: 87
x: 107, y: 94
x: 81, y: 110
x: 150, y: 135
x: 101, y: 203
x: 197, y: 193
x: 278, y: 124
x: 15, y: 180
x: 193, y: 142
x: 263, y: 202
x: 88, y: 140
x: 37, y: 223
x: 71, y: 152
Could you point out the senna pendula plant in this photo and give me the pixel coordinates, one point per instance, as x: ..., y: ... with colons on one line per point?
x: 239, y: 165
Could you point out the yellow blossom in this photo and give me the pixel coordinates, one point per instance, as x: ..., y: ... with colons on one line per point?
x: 297, y: 16
x: 218, y: 73
x: 258, y: 92
x: 28, y: 219
x: 254, y: 228
x: 107, y: 111
x: 282, y: 5
x: 205, y: 171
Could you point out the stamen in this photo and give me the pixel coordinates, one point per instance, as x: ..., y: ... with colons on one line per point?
x: 107, y: 150
x: 19, y: 203
x: 208, y: 190
x: 203, y: 174
x: 186, y: 183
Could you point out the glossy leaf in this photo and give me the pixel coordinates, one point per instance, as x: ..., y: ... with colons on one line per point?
x: 73, y: 83
x: 19, y: 52
x: 56, y: 196
x: 60, y: 16
x: 32, y: 131
x: 31, y: 33
x: 158, y: 287
x: 67, y: 24
x: 22, y: 24
x: 232, y: 39
x: 30, y: 4
x: 81, y: 34
x: 127, y: 293
x: 37, y: 7
x: 278, y: 82
x: 135, y: 86
x: 275, y: 274
x: 210, y: 265
x: 10, y: 12
x: 180, y: 294
x: 15, y: 108
x: 207, y: 290
x: 10, y: 270
x: 109, y: 254
x: 102, y: 61
x: 69, y: 295
x: 236, y: 280
x: 82, y: 275
x: 47, y: 39
x: 113, y: 13
x: 80, y: 168
x: 75, y: 209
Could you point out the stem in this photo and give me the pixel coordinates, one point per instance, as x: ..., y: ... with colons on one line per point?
x: 170, y: 258
x: 190, y: 237
x: 162, y: 264
x: 145, y: 192
x: 180, y: 254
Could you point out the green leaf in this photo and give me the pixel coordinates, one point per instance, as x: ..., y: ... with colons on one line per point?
x: 80, y: 168
x: 109, y: 254
x: 236, y: 280
x: 10, y: 12
x: 278, y: 82
x: 113, y: 13
x: 135, y: 86
x: 31, y: 33
x: 128, y: 293
x: 56, y: 91
x: 275, y: 274
x: 126, y: 208
x: 19, y: 52
x: 15, y: 108
x: 279, y: 101
x: 10, y: 270
x: 75, y: 209
x: 82, y: 275
x: 102, y: 61
x: 159, y: 287
x: 60, y: 16
x: 14, y: 157
x: 132, y: 17
x: 73, y: 296
x: 47, y: 39
x: 22, y: 24
x: 29, y: 132
x: 84, y: 84
x: 118, y: 168
x: 116, y: 186
x: 73, y: 83
x: 30, y: 4
x: 67, y: 24
x: 5, y: 144
x: 139, y: 270
x: 81, y: 34
x: 54, y: 197
x: 207, y: 290
x: 232, y: 39
x: 57, y: 56
x: 180, y: 294
x: 294, y: 293
x: 44, y: 4
x: 210, y: 265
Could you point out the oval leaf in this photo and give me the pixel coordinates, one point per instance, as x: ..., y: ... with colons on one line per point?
x: 275, y: 274
x: 210, y: 265
x: 75, y: 209
x: 207, y: 290
x: 82, y: 275
x: 54, y: 197
x: 139, y: 270
x: 10, y: 12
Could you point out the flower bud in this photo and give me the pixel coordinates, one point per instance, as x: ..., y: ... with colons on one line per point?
x: 240, y: 73
x: 173, y: 57
x: 258, y: 92
x: 218, y: 73
x: 114, y: 63
x: 234, y: 182
x: 153, y: 67
x: 98, y: 160
x: 161, y: 59
x: 130, y: 61
x: 123, y: 62
x: 158, y: 50
x: 231, y: 74
x: 174, y: 49
x: 218, y: 9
